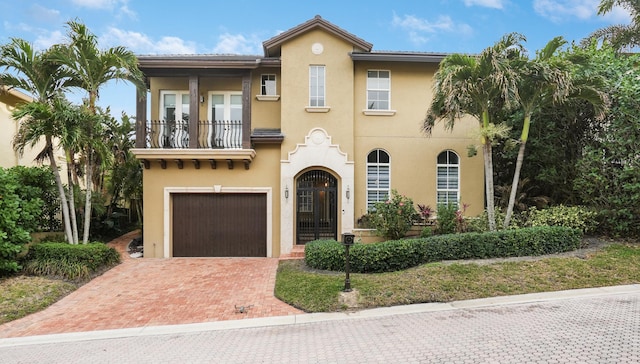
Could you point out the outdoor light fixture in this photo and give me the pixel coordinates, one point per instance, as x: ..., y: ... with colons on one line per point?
x: 286, y: 192
x: 348, y: 192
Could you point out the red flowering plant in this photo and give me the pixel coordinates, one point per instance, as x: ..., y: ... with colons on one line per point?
x: 394, y: 217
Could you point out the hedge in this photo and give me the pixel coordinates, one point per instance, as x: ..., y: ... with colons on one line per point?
x: 68, y: 260
x: 396, y: 255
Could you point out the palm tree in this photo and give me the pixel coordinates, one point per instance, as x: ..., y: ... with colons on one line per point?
x: 620, y: 36
x: 38, y: 74
x: 543, y: 80
x: 92, y: 68
x: 477, y: 86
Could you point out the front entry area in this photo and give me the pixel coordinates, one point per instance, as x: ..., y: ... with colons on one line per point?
x: 316, y: 206
x: 219, y: 225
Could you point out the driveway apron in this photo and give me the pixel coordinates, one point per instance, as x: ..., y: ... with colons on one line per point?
x: 153, y: 292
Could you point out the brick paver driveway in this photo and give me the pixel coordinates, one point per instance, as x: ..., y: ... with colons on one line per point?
x: 152, y: 292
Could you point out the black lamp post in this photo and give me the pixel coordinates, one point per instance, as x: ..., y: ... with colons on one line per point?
x: 347, y: 240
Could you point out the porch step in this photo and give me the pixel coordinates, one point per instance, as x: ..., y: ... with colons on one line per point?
x: 296, y: 253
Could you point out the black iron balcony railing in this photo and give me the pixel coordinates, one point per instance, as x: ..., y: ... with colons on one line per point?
x: 217, y: 134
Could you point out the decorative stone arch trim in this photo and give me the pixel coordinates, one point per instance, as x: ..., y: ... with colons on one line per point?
x: 316, y: 151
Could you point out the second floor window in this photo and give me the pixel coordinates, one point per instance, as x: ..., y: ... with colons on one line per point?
x: 225, y: 106
x: 316, y: 86
x: 174, y: 105
x: 268, y: 85
x: 378, y: 90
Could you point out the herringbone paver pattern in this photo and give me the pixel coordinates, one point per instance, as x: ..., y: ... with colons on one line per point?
x: 152, y: 292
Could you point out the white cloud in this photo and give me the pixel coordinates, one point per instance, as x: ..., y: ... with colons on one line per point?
x: 420, y: 30
x: 46, y: 39
x: 496, y: 4
x: 142, y: 44
x: 39, y: 14
x: 121, y: 6
x: 237, y: 44
x: 561, y: 10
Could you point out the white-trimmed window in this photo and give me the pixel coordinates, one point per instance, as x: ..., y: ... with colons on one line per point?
x: 317, y: 86
x: 378, y: 177
x: 174, y: 105
x: 268, y: 85
x: 225, y: 112
x: 378, y: 90
x: 448, y: 177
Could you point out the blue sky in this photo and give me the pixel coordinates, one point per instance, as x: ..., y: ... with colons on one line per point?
x: 240, y: 26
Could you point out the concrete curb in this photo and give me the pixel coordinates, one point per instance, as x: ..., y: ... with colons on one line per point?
x: 319, y: 317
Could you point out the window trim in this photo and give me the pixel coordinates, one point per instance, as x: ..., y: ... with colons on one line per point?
x: 377, y: 112
x: 448, y: 190
x: 323, y: 107
x: 268, y: 97
x: 178, y: 94
x: 377, y: 165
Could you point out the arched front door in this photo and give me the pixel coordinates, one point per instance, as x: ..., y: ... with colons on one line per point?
x: 316, y: 206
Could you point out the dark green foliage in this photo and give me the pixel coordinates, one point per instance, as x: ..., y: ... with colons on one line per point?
x: 394, y: 217
x: 40, y: 181
x: 68, y: 260
x: 19, y: 208
x: 396, y: 255
x: 446, y: 218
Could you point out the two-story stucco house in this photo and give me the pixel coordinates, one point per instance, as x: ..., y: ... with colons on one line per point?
x: 252, y: 155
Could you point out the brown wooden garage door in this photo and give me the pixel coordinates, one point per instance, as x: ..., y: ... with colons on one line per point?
x: 219, y: 225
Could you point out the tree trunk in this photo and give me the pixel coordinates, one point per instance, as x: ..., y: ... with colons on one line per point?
x: 488, y: 178
x: 63, y: 196
x: 516, y: 174
x: 87, y: 204
x: 72, y: 203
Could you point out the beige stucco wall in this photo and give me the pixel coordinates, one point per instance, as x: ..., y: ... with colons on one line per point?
x: 264, y: 172
x: 412, y: 154
x: 8, y: 156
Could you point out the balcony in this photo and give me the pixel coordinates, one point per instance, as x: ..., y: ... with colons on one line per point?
x: 218, y: 134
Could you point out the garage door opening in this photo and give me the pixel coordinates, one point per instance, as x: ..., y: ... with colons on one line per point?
x: 219, y: 224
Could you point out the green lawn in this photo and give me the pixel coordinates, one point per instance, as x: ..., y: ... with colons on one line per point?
x: 314, y: 291
x: 23, y: 295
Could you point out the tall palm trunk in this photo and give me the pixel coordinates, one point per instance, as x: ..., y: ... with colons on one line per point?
x: 87, y: 204
x: 488, y: 173
x: 516, y: 174
x: 72, y: 203
x: 63, y: 198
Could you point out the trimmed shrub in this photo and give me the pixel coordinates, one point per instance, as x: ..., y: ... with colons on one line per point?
x: 69, y: 261
x: 393, y: 218
x: 396, y: 255
x: 575, y: 217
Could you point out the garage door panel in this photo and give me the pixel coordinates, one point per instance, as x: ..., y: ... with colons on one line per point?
x: 219, y: 225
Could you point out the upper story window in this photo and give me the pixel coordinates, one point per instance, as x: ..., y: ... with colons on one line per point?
x: 378, y: 177
x: 225, y: 106
x: 174, y: 105
x: 268, y: 85
x: 317, y: 86
x: 378, y: 90
x: 448, y: 178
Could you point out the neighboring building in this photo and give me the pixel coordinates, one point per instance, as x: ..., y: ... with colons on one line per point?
x: 9, y: 99
x: 251, y: 155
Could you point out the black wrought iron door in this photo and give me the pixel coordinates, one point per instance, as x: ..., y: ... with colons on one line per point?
x: 317, y: 206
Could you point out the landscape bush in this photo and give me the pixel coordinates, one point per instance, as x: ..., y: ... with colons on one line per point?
x: 401, y: 254
x: 575, y: 217
x: 69, y: 261
x: 19, y: 208
x: 394, y: 217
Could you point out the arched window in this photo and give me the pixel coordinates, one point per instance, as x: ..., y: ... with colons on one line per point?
x: 378, y: 177
x: 448, y: 177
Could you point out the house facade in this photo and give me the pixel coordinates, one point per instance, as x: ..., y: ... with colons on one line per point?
x: 252, y: 155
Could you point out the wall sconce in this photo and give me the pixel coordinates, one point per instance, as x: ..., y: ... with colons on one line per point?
x: 348, y: 192
x: 286, y: 192
x: 201, y: 99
